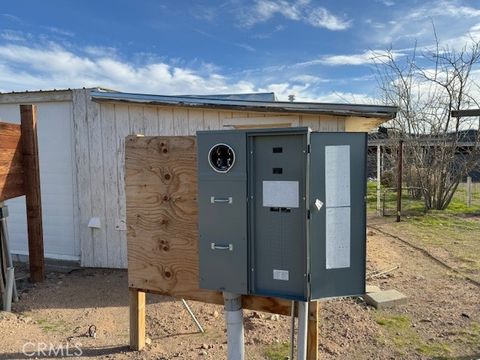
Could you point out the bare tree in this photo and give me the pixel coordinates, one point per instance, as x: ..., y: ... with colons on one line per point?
x: 426, y: 85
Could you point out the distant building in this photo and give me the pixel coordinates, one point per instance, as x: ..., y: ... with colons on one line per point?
x: 467, y: 141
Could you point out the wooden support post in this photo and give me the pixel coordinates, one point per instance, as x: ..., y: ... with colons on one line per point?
x: 399, y: 180
x: 469, y: 191
x: 312, y: 330
x: 137, y: 319
x: 379, y: 180
x: 32, y: 191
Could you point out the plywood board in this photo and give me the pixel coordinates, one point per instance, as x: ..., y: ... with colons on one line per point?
x: 162, y: 215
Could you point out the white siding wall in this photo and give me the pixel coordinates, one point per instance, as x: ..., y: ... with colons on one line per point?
x: 100, y: 131
x: 56, y: 181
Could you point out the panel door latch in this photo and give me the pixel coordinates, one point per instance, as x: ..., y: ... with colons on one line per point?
x: 221, y: 247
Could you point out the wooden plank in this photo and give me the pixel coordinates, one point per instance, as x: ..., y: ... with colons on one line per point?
x: 123, y: 130
x: 11, y: 186
x: 7, y: 129
x: 11, y: 162
x: 83, y: 194
x: 161, y: 191
x: 97, y: 184
x: 137, y: 319
x: 310, y: 121
x: 137, y: 125
x: 250, y: 122
x: 224, y: 119
x: 312, y: 330
x: 110, y: 156
x: 165, y: 121
x: 180, y: 119
x: 9, y: 142
x: 32, y: 192
x: 327, y: 123
x: 195, y: 121
x: 150, y: 118
x: 36, y: 96
x: 361, y: 124
x: 211, y: 120
x: 11, y: 167
x: 11, y: 155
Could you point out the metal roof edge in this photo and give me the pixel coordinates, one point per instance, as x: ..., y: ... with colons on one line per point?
x: 375, y: 111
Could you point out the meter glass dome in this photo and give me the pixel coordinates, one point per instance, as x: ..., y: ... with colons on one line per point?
x: 221, y: 158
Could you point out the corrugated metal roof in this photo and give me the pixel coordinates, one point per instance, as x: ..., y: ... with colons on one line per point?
x: 270, y: 96
x: 217, y: 102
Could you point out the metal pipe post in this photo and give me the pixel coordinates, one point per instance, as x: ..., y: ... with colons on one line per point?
x: 7, y: 302
x: 399, y: 180
x: 235, y: 332
x: 192, y: 315
x: 292, y: 331
x: 302, y: 330
x: 379, y: 181
x: 469, y: 191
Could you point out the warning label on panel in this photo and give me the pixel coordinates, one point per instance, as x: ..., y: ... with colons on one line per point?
x: 280, y: 275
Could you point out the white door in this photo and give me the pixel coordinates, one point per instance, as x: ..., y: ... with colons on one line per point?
x: 54, y: 124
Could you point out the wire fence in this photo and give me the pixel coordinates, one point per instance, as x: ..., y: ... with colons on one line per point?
x: 466, y: 199
x: 412, y: 201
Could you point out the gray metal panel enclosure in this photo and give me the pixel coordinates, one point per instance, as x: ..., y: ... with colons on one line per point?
x: 282, y: 212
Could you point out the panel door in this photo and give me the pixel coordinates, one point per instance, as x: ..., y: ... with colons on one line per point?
x: 278, y: 215
x: 222, y: 205
x: 338, y: 216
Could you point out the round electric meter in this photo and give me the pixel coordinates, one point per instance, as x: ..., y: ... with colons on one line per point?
x: 221, y: 158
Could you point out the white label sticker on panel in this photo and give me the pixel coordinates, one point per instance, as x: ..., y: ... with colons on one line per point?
x: 337, y: 238
x: 337, y: 175
x: 280, y: 194
x: 280, y: 275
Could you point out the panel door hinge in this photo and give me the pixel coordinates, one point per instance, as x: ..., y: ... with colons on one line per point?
x: 308, y: 214
x: 309, y: 277
x: 308, y: 149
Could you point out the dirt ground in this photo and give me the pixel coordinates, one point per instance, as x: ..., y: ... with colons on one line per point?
x: 440, y: 320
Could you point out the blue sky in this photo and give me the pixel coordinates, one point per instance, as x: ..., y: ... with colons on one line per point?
x: 317, y: 50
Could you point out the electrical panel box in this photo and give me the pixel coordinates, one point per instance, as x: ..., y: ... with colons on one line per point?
x: 282, y: 212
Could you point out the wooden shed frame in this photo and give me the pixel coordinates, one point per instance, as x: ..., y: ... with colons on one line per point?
x: 102, y: 119
x: 20, y: 175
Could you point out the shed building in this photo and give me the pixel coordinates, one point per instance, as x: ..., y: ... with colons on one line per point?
x: 81, y: 147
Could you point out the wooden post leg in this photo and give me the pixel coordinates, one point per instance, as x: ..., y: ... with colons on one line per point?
x: 312, y: 331
x: 137, y: 319
x: 31, y: 171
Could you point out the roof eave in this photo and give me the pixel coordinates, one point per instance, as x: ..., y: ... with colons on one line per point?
x: 254, y: 108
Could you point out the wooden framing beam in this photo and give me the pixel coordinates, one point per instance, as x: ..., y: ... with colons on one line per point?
x: 137, y: 319
x: 31, y: 167
x: 312, y: 330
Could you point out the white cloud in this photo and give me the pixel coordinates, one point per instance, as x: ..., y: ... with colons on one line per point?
x: 320, y: 17
x: 307, y: 93
x: 450, y: 17
x: 365, y: 58
x: 53, y: 66
x: 299, y: 10
x: 50, y: 65
x: 12, y: 35
x: 387, y: 2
